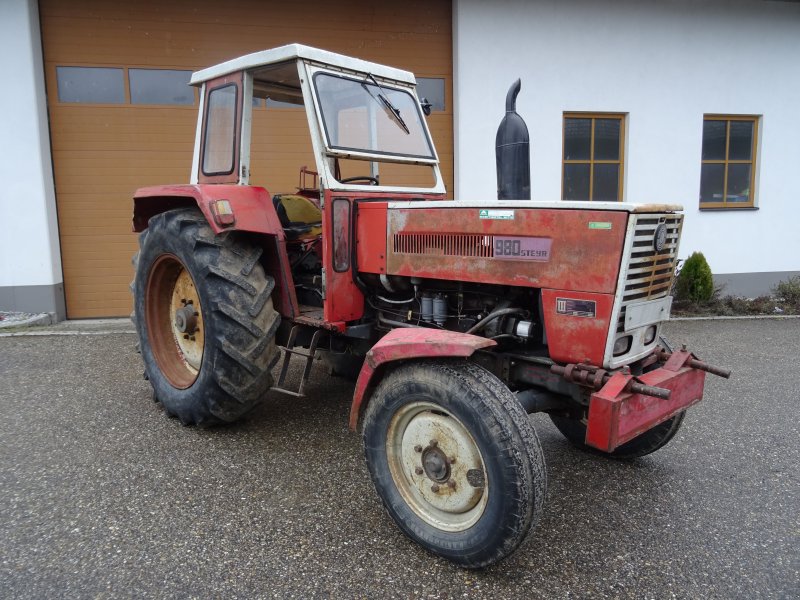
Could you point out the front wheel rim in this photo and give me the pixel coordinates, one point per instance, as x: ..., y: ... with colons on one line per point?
x: 174, y: 318
x: 437, y: 466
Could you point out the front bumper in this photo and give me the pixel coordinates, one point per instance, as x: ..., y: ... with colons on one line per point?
x: 617, y: 416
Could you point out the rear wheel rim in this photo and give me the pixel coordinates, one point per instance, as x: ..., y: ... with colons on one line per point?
x: 437, y: 466
x: 174, y: 317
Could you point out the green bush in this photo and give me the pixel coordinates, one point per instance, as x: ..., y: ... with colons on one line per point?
x: 695, y: 282
x: 789, y: 291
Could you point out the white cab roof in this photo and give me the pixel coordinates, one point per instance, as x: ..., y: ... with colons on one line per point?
x: 294, y: 51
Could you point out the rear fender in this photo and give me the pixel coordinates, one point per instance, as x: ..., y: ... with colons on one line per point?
x: 252, y: 206
x: 403, y: 344
x: 253, y: 212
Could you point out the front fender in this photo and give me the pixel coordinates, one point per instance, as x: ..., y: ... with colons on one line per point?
x: 252, y: 206
x: 405, y: 343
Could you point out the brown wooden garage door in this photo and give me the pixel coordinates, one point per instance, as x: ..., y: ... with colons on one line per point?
x: 122, y: 118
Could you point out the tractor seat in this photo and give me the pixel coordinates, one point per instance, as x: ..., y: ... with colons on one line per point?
x: 300, y: 217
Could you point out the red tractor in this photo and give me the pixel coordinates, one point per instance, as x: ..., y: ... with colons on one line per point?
x: 457, y: 318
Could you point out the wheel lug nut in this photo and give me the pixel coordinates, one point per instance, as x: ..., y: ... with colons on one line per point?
x: 433, y: 443
x: 434, y: 488
x: 186, y: 336
x: 452, y: 460
x: 418, y: 470
x: 417, y: 448
x: 451, y: 484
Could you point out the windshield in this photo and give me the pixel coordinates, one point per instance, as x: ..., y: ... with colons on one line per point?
x: 361, y: 116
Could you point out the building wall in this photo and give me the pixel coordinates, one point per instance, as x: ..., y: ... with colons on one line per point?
x: 665, y: 64
x: 30, y: 262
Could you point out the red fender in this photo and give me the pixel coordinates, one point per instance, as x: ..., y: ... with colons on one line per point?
x: 405, y: 343
x: 253, y: 212
x: 252, y: 206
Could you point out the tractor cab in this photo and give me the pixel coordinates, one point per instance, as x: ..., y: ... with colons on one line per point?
x: 366, y: 123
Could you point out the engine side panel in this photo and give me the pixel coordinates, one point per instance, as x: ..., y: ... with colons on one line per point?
x: 576, y: 324
x: 577, y: 250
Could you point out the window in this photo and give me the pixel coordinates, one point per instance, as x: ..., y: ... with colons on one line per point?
x: 220, y: 133
x: 593, y: 156
x: 728, y: 161
x: 96, y: 85
x: 359, y: 115
x: 160, y: 86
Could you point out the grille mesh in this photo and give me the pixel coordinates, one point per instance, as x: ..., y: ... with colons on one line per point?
x: 444, y: 244
x: 650, y: 273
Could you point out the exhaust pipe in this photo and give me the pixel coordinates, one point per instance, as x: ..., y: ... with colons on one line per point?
x: 512, y: 149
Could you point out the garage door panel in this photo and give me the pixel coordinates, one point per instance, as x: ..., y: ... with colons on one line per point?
x: 119, y: 173
x: 139, y: 129
x: 97, y: 271
x: 145, y: 43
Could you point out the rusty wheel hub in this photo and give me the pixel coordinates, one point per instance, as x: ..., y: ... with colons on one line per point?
x: 186, y: 319
x: 435, y: 463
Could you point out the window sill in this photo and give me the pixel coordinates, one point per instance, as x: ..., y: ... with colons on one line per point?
x: 726, y: 208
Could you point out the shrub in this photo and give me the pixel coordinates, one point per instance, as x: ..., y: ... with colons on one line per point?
x: 695, y: 282
x: 789, y: 291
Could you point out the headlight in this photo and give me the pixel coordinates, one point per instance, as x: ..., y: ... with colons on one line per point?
x: 650, y: 335
x: 622, y: 345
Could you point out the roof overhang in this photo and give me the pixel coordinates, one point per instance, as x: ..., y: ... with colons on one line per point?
x: 295, y: 51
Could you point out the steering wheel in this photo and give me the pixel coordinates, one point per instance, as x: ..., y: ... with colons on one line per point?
x: 372, y: 180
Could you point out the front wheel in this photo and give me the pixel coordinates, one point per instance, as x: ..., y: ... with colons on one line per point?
x: 455, y: 460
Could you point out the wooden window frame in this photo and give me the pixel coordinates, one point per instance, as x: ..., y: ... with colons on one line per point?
x: 621, y: 117
x: 725, y: 205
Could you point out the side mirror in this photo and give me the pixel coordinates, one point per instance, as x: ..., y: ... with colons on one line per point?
x: 426, y: 106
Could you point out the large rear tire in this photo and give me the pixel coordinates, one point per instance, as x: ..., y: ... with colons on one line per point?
x: 647, y: 443
x: 455, y: 460
x: 204, y: 315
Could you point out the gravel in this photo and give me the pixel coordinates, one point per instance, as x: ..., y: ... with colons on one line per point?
x: 102, y: 495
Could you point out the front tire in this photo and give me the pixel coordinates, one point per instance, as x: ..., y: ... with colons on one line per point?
x: 455, y: 460
x: 204, y: 315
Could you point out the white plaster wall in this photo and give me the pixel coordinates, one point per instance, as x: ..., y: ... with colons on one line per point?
x: 29, y: 247
x: 665, y: 63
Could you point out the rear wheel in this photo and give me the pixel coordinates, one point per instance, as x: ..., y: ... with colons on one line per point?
x: 455, y: 460
x: 205, y: 319
x: 647, y: 443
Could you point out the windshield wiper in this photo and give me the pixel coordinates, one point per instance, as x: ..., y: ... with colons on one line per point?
x: 384, y: 101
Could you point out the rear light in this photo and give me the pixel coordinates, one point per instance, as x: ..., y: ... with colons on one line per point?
x: 650, y: 335
x: 622, y: 345
x: 223, y: 213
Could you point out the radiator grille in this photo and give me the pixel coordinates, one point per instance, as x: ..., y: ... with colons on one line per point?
x: 444, y: 244
x: 650, y: 273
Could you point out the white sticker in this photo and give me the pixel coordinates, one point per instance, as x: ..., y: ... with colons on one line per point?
x: 489, y: 213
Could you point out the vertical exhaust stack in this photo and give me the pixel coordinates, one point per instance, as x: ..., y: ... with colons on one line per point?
x: 512, y: 148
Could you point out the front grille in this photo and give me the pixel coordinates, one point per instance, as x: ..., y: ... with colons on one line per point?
x: 650, y: 273
x: 444, y: 244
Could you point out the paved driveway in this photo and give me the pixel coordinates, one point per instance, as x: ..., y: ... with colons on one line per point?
x: 102, y: 495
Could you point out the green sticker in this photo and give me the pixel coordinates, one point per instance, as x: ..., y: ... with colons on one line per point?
x: 599, y: 225
x: 502, y: 215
